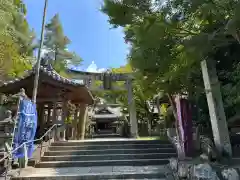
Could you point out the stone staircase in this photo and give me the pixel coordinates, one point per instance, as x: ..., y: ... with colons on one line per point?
x: 106, y: 134
x: 103, y: 159
x: 103, y: 135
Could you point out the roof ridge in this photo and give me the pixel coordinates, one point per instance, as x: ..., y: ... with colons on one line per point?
x: 49, y: 71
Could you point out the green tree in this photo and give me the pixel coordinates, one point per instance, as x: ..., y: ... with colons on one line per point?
x: 56, y: 42
x: 168, y: 40
x: 25, y: 36
x: 141, y: 94
x: 12, y: 62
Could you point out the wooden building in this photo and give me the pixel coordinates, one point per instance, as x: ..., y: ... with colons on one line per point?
x: 54, y: 91
x: 106, y: 120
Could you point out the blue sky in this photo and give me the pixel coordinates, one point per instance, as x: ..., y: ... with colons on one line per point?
x: 91, y: 34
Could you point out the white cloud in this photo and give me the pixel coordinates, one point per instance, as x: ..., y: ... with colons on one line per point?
x: 93, y: 68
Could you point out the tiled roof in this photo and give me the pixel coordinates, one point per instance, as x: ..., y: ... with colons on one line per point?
x: 112, y: 110
x: 49, y: 71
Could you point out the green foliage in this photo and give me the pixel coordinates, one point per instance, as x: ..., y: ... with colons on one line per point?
x: 25, y: 36
x: 56, y: 42
x: 14, y: 58
x: 141, y: 93
x: 12, y: 63
x: 168, y: 40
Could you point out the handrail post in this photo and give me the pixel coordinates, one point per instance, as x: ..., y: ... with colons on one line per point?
x: 25, y: 155
x: 41, y: 149
x: 49, y: 138
x: 23, y: 162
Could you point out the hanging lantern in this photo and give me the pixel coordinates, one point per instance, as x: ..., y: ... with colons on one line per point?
x: 107, y: 80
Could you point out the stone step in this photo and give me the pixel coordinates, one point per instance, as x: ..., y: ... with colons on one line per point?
x: 95, y: 177
x: 105, y: 135
x: 108, y: 157
x: 110, y: 176
x: 108, y: 142
x: 94, y: 173
x: 115, y: 146
x: 109, y: 151
x: 131, y: 162
x: 103, y: 159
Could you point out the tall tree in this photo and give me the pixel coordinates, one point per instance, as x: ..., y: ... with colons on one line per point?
x: 168, y: 40
x: 25, y: 36
x: 56, y: 43
x: 13, y: 63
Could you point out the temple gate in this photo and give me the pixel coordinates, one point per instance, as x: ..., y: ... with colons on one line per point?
x: 107, y: 78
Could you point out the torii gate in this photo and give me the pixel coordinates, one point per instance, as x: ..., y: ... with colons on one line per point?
x: 107, y: 78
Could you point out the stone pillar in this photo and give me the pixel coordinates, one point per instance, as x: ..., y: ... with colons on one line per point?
x: 132, y: 110
x: 82, y: 121
x: 216, y: 109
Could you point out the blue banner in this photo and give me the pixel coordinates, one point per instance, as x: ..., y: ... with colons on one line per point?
x: 26, y: 128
